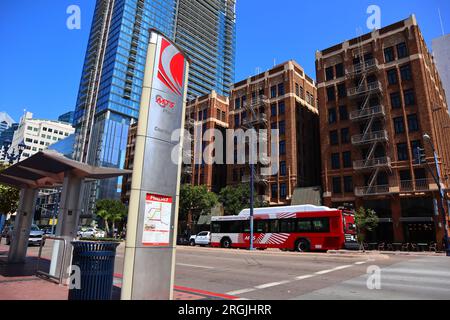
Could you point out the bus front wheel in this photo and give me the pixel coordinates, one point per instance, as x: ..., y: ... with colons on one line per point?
x: 302, y: 245
x: 226, y: 243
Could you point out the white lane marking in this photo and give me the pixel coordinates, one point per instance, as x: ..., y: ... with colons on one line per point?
x: 272, y: 284
x: 193, y: 266
x: 331, y: 270
x: 306, y: 276
x: 237, y: 292
x: 360, y: 262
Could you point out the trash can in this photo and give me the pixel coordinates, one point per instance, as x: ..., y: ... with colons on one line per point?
x: 96, y: 263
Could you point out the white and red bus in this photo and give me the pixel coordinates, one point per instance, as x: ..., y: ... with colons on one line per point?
x: 301, y: 228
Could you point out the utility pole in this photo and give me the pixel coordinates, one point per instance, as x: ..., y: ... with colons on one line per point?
x: 420, y: 154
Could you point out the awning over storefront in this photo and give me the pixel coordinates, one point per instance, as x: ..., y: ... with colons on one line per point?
x: 47, y: 169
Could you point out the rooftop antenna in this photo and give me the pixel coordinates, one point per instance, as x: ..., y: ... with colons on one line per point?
x: 440, y: 19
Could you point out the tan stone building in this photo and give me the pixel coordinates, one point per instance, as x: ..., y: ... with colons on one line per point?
x: 378, y: 95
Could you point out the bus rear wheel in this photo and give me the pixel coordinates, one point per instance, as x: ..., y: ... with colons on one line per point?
x: 302, y: 245
x: 226, y: 243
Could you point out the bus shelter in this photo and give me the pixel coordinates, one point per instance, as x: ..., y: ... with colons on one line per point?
x: 44, y: 170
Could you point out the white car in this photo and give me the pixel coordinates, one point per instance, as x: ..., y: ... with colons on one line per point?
x: 201, y: 239
x: 91, y: 233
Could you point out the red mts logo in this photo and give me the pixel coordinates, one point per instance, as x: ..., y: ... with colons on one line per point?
x: 164, y: 103
x: 171, y: 67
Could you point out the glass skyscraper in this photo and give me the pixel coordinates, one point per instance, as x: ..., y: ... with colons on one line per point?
x: 111, y: 83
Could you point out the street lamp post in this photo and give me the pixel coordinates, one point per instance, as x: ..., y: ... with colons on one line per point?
x: 252, y: 203
x: 441, y: 204
x: 12, y: 157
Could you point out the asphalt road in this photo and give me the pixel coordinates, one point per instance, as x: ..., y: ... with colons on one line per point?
x: 276, y: 275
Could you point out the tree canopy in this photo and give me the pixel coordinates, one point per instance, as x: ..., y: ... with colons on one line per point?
x: 111, y: 211
x: 366, y: 220
x: 9, y: 197
x: 195, y: 199
x: 236, y: 198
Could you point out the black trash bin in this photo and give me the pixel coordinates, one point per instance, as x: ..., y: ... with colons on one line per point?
x: 96, y: 263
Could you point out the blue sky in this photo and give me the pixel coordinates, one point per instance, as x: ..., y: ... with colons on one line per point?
x: 41, y: 60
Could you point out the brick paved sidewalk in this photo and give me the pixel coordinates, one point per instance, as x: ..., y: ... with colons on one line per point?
x: 18, y: 282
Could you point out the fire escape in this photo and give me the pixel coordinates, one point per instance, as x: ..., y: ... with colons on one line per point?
x: 370, y: 116
x: 256, y: 119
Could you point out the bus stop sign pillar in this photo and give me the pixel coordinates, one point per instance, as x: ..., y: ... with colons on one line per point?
x: 153, y: 210
x: 70, y: 210
x: 22, y: 226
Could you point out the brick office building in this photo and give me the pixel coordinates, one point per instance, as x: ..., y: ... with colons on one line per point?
x: 378, y: 95
x: 282, y: 98
x: 209, y: 112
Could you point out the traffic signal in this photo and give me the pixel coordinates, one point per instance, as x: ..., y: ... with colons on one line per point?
x: 419, y: 156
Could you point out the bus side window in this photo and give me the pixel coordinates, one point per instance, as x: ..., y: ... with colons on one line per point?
x: 274, y: 226
x: 321, y: 225
x: 216, y: 227
x: 287, y: 225
x: 303, y: 225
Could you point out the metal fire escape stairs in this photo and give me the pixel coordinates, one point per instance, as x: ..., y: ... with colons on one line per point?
x: 368, y: 115
x: 256, y: 119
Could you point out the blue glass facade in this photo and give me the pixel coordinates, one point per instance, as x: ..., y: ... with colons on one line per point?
x: 111, y: 84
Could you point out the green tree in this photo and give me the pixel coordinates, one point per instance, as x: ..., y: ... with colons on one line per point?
x: 366, y: 220
x: 9, y: 198
x: 195, y: 200
x: 110, y: 211
x: 236, y: 198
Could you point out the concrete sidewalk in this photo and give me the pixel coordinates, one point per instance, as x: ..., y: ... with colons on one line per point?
x: 19, y: 282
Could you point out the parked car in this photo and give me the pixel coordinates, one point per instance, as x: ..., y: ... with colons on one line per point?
x: 36, y: 235
x: 91, y: 233
x: 201, y: 239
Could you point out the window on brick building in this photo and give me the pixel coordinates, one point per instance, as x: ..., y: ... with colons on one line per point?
x: 297, y: 89
x: 237, y: 103
x: 342, y: 91
x: 409, y: 97
x: 274, y: 190
x: 399, y: 125
x: 329, y: 73
x: 273, y: 91
x: 281, y: 89
x: 348, y: 184
x: 283, y: 170
x: 402, y: 50
x: 337, y: 185
x: 244, y: 101
x: 396, y: 101
x: 330, y: 94
x: 392, y: 76
x: 334, y: 138
x: 343, y: 113
x: 406, y: 73
x: 281, y: 107
x: 389, y: 54
x: 415, y: 144
x: 282, y: 127
x: 302, y: 92
x: 236, y: 120
x: 347, y: 159
x: 332, y: 118
x: 283, y: 190
x: 282, y: 147
x: 402, y: 151
x: 345, y: 135
x: 413, y: 123
x: 340, y: 70
x: 273, y: 109
x: 335, y: 161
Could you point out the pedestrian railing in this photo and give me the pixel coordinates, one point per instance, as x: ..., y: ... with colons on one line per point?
x: 61, y: 271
